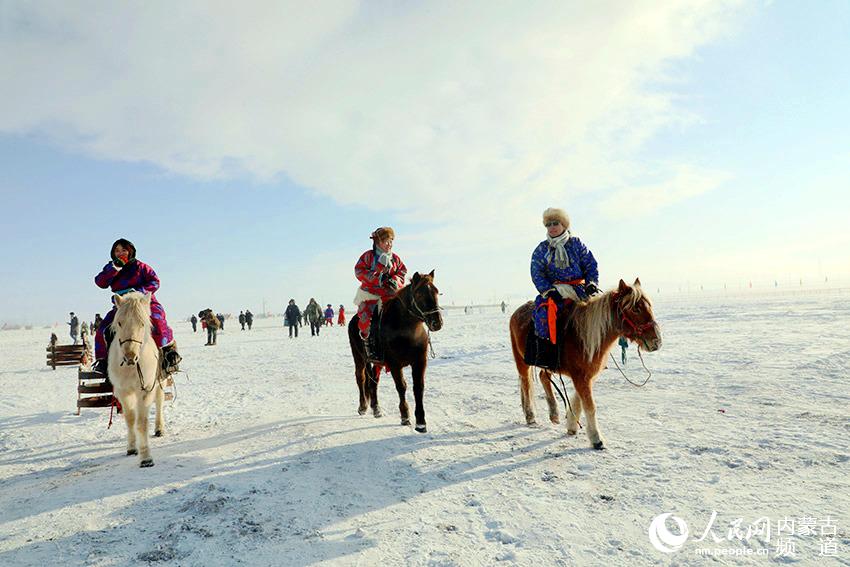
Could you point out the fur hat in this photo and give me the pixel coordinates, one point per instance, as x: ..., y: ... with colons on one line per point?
x: 552, y: 214
x: 382, y: 233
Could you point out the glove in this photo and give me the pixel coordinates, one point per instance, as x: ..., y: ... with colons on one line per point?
x: 554, y: 295
x: 121, y: 261
x: 118, y: 264
x: 391, y: 283
x: 581, y: 292
x: 591, y: 288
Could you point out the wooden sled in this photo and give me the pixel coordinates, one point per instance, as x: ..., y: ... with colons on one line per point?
x: 68, y: 355
x: 93, y: 391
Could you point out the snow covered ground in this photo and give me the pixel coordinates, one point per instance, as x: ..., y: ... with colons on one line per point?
x: 266, y: 462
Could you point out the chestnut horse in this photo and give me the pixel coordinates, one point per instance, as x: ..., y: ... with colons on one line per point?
x: 585, y: 336
x: 404, y: 342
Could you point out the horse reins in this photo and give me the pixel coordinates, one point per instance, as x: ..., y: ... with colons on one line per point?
x: 648, y: 371
x: 635, y: 333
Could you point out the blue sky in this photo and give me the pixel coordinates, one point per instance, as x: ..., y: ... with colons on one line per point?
x: 703, y: 144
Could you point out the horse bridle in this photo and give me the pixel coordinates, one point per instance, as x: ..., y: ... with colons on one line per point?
x: 419, y: 313
x: 636, y: 331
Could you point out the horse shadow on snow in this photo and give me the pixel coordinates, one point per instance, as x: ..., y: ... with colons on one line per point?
x: 269, y: 508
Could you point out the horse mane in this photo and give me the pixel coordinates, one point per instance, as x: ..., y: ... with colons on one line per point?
x: 594, y: 319
x: 404, y: 291
x: 132, y: 309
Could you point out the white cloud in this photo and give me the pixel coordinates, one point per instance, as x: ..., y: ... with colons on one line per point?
x: 354, y: 100
x: 497, y: 108
x: 678, y: 184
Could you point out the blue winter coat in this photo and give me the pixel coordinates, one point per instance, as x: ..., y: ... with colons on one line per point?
x: 545, y: 274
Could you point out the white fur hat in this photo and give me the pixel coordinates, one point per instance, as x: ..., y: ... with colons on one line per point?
x: 551, y: 214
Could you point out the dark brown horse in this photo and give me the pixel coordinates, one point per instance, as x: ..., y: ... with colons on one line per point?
x: 585, y: 336
x: 403, y: 339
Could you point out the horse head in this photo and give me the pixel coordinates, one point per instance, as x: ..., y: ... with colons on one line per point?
x: 424, y: 301
x: 132, y: 324
x: 634, y: 312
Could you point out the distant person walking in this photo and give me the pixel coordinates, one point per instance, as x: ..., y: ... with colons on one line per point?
x: 329, y: 316
x: 291, y: 316
x: 504, y: 306
x: 212, y: 324
x: 194, y: 321
x: 624, y: 344
x: 242, y: 319
x: 249, y: 318
x: 341, y: 320
x: 75, y: 327
x: 314, y: 317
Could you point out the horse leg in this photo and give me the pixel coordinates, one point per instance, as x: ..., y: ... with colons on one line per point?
x: 418, y: 370
x: 360, y: 379
x: 159, y: 424
x: 401, y: 388
x: 526, y: 386
x: 572, y: 419
x: 585, y: 391
x: 373, y: 392
x: 142, y: 432
x: 546, y: 380
x: 128, y: 408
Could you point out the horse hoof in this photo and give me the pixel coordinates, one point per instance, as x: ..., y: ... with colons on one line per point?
x: 146, y: 463
x: 572, y: 431
x: 531, y: 422
x: 599, y: 446
x: 405, y: 422
x: 555, y: 419
x: 421, y: 428
x: 361, y: 412
x: 132, y: 452
x: 377, y: 412
x: 157, y: 433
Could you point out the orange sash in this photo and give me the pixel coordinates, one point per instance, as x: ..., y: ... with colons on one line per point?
x: 552, y: 312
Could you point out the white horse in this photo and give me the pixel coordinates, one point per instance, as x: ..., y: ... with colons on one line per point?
x: 134, y: 370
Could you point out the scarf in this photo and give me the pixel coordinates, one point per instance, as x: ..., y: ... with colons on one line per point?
x: 381, y: 257
x: 558, y: 249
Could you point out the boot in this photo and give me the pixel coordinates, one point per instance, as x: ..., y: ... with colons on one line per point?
x: 99, y: 366
x: 547, y: 354
x: 170, y: 358
x: 368, y: 346
x: 541, y: 352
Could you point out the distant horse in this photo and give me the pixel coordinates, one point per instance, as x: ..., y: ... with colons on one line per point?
x: 403, y: 339
x: 584, y: 338
x: 134, y: 370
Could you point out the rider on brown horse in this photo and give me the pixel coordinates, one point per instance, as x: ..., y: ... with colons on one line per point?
x: 563, y: 271
x: 380, y: 273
